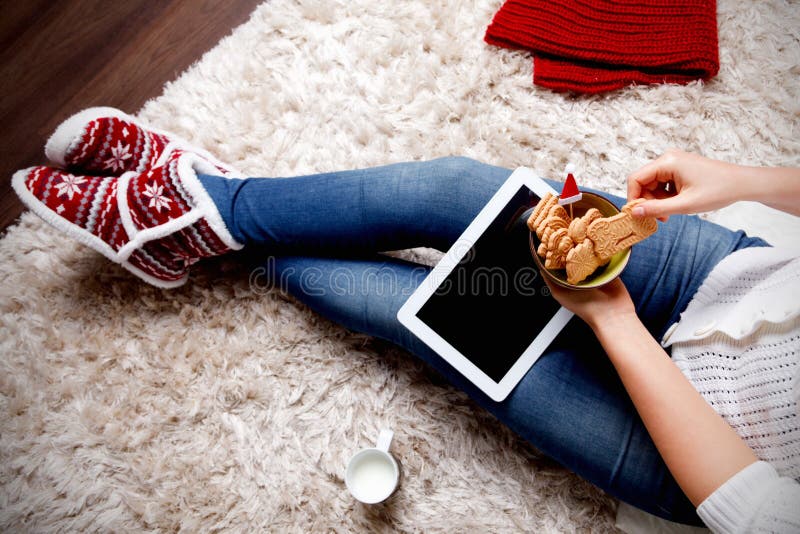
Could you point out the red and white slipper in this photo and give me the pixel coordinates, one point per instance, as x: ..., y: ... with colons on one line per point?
x: 108, y: 141
x: 155, y: 224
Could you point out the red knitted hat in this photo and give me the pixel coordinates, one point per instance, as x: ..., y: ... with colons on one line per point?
x: 590, y: 46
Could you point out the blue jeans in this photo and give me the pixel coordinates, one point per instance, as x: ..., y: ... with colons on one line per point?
x: 322, y: 234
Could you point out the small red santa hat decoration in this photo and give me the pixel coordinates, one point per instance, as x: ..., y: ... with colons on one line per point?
x: 570, y: 192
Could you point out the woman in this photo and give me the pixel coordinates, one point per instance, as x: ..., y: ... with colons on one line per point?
x: 714, y: 430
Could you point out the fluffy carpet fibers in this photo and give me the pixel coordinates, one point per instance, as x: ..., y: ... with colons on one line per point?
x: 221, y: 407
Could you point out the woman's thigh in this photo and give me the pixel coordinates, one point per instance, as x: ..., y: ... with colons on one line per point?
x: 393, y: 207
x: 570, y: 405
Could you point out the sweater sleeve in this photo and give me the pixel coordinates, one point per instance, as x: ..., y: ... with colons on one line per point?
x: 756, y: 499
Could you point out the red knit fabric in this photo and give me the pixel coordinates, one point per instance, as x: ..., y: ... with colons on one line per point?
x: 591, y: 46
x: 114, y: 145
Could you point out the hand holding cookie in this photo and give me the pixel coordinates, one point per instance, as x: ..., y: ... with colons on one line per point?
x: 682, y: 183
x: 613, y: 234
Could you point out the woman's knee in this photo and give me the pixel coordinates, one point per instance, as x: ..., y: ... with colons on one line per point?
x: 463, y: 170
x: 462, y: 184
x: 459, y: 165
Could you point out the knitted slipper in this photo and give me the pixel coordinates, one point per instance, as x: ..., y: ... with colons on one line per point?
x: 155, y: 224
x: 108, y: 141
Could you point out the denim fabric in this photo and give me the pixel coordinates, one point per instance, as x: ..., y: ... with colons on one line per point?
x: 322, y: 233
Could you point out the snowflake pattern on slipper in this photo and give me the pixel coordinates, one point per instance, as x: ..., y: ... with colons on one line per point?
x: 155, y: 224
x: 105, y: 140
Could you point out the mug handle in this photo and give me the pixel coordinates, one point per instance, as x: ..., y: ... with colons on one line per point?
x: 384, y: 440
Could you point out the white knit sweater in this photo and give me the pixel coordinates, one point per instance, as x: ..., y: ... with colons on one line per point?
x: 738, y: 342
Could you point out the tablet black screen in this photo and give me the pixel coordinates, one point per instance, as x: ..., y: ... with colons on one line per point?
x: 492, y: 305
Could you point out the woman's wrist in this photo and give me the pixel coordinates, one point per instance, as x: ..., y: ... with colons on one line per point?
x: 626, y: 340
x: 614, y: 324
x: 777, y: 187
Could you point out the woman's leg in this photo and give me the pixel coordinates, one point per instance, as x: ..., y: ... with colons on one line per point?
x: 393, y: 207
x: 430, y: 204
x: 570, y: 405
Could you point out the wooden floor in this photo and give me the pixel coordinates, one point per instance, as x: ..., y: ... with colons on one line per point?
x: 58, y: 57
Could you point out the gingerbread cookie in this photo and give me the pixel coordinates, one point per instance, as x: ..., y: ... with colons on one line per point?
x: 545, y: 203
x: 550, y: 225
x: 581, y: 262
x: 542, y: 250
x: 557, y: 248
x: 578, y: 227
x: 613, y: 234
x: 646, y: 225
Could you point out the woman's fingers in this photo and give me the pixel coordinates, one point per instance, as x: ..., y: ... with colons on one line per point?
x: 650, y: 177
x: 661, y: 208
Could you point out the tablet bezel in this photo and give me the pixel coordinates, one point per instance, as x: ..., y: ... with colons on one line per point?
x: 407, y: 315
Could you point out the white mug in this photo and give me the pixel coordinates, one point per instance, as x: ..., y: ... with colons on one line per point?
x: 373, y: 474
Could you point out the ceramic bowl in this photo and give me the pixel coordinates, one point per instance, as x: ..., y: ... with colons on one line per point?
x: 603, y: 275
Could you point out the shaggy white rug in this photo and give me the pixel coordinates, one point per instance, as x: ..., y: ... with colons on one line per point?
x: 216, y: 407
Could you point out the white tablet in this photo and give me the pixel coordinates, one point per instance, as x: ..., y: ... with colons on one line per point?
x: 485, y: 307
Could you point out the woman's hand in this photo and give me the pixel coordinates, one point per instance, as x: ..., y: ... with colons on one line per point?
x: 679, y: 182
x: 601, y: 307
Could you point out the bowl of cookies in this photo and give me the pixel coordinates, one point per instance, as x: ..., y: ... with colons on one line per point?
x: 587, y: 245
